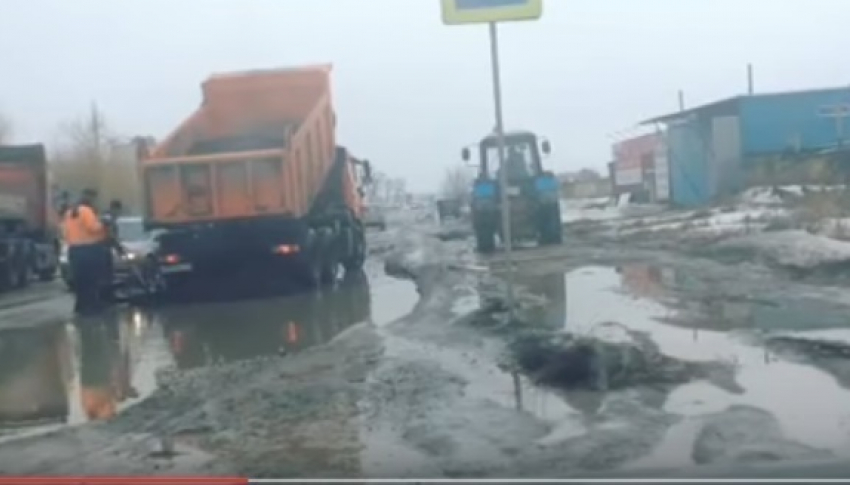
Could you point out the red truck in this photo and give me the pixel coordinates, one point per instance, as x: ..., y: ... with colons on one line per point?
x: 254, y: 183
x: 29, y: 243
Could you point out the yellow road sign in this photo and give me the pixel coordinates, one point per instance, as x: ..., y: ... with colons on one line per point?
x: 457, y: 12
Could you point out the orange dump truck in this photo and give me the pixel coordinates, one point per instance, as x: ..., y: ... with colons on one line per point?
x: 254, y: 183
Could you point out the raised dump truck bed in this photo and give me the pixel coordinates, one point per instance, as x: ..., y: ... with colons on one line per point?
x: 255, y: 174
x: 260, y: 144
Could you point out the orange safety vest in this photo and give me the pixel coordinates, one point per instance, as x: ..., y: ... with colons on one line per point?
x: 80, y: 225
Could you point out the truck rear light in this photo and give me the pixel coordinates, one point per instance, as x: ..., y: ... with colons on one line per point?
x: 171, y: 259
x: 286, y: 249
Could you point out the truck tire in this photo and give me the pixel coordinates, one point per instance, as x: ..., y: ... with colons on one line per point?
x: 328, y: 252
x: 13, y: 274
x: 357, y: 258
x: 330, y: 268
x: 47, y: 275
x: 23, y: 274
x: 311, y: 272
x: 485, y: 240
x: 551, y: 232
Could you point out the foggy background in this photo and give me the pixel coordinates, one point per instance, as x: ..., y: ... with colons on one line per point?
x: 409, y: 91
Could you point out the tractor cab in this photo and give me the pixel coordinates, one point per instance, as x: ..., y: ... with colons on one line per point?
x: 522, y: 155
x: 533, y: 192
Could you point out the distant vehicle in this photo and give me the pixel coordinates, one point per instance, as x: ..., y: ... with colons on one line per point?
x: 374, y: 216
x: 138, y: 257
x: 534, y: 193
x: 28, y: 237
x: 449, y: 209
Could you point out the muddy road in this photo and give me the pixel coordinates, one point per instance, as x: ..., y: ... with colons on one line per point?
x: 618, y: 360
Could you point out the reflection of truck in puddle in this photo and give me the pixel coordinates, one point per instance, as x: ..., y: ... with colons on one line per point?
x: 37, y: 376
x: 210, y: 334
x: 33, y: 370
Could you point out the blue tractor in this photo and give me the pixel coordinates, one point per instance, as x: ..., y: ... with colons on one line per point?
x: 533, y: 192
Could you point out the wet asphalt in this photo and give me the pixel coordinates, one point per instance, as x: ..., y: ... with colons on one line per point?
x: 755, y: 367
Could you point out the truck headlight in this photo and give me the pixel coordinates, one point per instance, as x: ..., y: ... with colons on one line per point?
x: 129, y: 256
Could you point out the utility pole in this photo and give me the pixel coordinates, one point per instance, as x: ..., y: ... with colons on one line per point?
x: 97, y: 149
x: 681, y: 100
x: 750, y: 80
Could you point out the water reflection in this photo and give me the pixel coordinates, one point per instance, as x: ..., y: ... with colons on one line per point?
x: 105, y: 370
x: 697, y: 302
x: 34, y: 368
x: 208, y: 334
x: 75, y: 373
x: 552, y: 288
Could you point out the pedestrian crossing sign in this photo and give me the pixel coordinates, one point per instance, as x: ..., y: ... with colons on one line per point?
x: 456, y: 12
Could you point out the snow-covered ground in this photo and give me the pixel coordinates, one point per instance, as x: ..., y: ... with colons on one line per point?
x: 794, y: 249
x: 777, y: 225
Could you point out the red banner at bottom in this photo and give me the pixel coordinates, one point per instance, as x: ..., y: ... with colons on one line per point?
x: 123, y: 480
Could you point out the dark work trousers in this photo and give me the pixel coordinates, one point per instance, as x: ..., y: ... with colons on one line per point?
x: 107, y: 276
x: 87, y: 268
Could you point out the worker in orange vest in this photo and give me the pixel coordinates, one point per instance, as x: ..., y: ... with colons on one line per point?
x: 88, y: 252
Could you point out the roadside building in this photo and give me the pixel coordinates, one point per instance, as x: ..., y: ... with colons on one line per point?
x: 584, y: 184
x: 718, y: 149
x: 640, y: 168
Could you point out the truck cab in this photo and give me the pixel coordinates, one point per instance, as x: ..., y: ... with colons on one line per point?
x: 532, y: 191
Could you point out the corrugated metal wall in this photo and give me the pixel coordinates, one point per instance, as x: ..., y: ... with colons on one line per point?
x: 705, y: 159
x: 688, y: 164
x: 775, y: 123
x: 725, y: 155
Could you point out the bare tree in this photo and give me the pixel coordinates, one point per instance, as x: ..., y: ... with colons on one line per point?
x: 91, y: 155
x: 457, y: 183
x: 5, y: 129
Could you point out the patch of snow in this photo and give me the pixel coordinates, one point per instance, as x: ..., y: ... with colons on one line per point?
x: 761, y: 196
x: 836, y: 228
x: 797, y: 249
x: 715, y: 222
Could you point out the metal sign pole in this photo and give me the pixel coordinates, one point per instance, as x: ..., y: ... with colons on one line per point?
x: 459, y: 12
x: 503, y: 177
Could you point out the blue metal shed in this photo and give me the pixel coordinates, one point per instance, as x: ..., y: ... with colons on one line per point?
x: 709, y: 146
x: 773, y: 123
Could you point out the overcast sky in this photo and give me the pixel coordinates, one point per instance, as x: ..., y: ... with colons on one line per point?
x: 409, y: 91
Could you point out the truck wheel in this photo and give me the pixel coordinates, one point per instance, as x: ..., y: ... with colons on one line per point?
x: 13, y: 276
x: 330, y: 268
x: 47, y: 275
x: 23, y: 275
x: 551, y: 232
x: 7, y: 278
x: 485, y: 240
x: 309, y: 270
x: 357, y: 257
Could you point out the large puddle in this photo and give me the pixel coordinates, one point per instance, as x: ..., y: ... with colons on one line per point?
x: 693, y: 323
x: 65, y: 374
